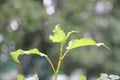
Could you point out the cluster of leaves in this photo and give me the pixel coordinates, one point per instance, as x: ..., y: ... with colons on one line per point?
x: 59, y: 36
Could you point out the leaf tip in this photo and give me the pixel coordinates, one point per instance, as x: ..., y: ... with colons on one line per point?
x: 102, y: 44
x: 14, y: 57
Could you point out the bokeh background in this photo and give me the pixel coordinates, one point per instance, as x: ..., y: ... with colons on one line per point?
x: 26, y: 24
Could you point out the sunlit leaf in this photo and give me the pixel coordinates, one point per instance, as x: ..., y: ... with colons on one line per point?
x: 20, y: 77
x: 34, y: 77
x: 32, y: 51
x: 19, y: 52
x: 16, y: 54
x: 82, y: 78
x: 84, y: 42
x: 80, y: 42
x: 58, y: 36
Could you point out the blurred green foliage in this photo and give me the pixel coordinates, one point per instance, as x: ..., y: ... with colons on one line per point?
x: 23, y: 21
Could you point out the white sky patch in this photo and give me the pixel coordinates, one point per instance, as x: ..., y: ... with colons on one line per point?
x: 50, y: 8
x: 100, y: 7
x: 14, y: 25
x: 103, y: 7
x: 47, y: 3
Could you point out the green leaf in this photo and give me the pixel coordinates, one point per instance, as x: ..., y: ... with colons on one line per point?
x: 16, y: 54
x: 80, y: 42
x: 58, y: 36
x: 82, y: 78
x: 20, y: 77
x: 84, y: 42
x: 32, y: 51
x: 19, y: 52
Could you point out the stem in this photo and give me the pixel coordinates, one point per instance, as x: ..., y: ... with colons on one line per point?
x: 50, y: 63
x: 65, y: 54
x: 61, y: 49
x: 59, y: 62
x: 58, y: 68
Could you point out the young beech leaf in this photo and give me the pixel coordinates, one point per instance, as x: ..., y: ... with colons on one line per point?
x: 32, y: 51
x: 20, y: 77
x: 16, y: 54
x: 80, y: 42
x: 59, y: 35
x: 82, y: 78
x: 84, y: 42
